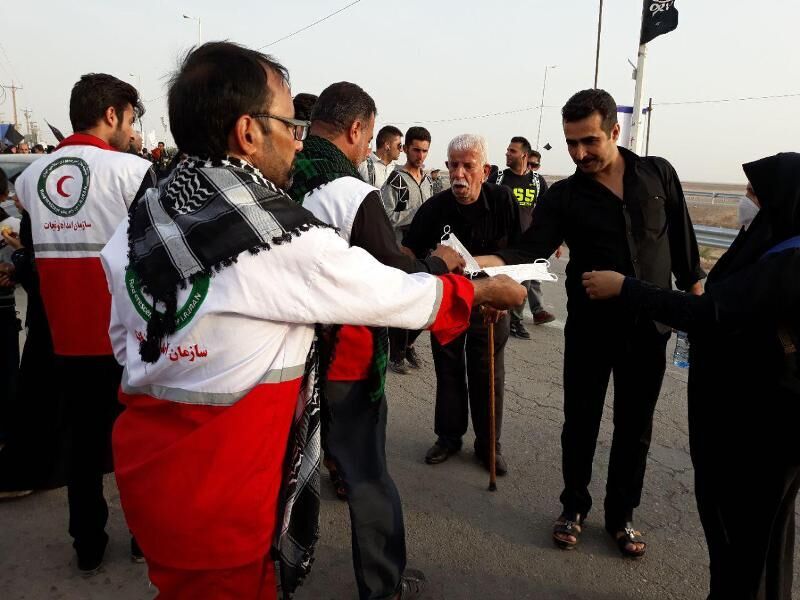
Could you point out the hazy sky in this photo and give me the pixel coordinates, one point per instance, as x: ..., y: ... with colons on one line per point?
x: 425, y: 61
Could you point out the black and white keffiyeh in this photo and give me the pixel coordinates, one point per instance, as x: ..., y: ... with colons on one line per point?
x: 195, y: 223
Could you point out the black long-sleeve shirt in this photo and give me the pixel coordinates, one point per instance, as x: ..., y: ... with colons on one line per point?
x: 647, y: 235
x: 486, y: 226
x: 373, y: 232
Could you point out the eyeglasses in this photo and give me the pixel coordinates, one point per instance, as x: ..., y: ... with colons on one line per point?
x: 299, y: 128
x: 533, y: 165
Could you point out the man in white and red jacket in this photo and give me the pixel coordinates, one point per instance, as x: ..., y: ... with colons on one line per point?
x: 76, y: 198
x: 217, y: 280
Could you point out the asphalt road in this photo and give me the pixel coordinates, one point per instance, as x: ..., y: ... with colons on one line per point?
x: 471, y: 544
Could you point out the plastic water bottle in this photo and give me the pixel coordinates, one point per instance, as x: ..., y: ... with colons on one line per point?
x: 681, y: 356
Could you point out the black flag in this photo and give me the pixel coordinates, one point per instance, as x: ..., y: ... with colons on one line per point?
x: 12, y: 136
x: 58, y: 135
x: 658, y: 17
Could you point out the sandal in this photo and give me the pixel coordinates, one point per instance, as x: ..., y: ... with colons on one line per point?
x: 338, y: 485
x: 625, y: 538
x: 336, y: 480
x: 567, y: 525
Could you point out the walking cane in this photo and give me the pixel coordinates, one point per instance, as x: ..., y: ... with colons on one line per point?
x: 492, y: 430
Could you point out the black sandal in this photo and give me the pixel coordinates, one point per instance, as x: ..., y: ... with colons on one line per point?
x: 336, y: 480
x: 624, y: 537
x: 338, y: 485
x: 568, y: 524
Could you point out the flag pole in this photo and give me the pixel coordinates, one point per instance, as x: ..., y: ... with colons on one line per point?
x: 638, y: 97
x: 647, y: 138
x: 661, y: 17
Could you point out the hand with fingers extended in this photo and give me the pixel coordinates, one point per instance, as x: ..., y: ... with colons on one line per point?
x: 499, y: 292
x: 454, y: 261
x: 603, y: 285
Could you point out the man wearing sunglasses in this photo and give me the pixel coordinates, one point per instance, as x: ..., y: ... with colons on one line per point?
x: 354, y: 410
x: 528, y: 187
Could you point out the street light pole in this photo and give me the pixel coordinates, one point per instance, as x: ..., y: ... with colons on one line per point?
x: 541, y: 105
x: 139, y: 91
x: 597, y: 54
x: 199, y: 28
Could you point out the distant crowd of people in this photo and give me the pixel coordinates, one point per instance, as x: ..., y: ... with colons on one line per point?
x: 25, y: 148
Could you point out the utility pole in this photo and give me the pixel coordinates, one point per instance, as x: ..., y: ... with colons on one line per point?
x: 597, y: 54
x: 26, y: 112
x: 13, y: 89
x: 139, y: 91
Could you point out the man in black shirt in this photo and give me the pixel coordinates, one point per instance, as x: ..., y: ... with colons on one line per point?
x: 485, y: 218
x: 528, y: 187
x: 627, y: 213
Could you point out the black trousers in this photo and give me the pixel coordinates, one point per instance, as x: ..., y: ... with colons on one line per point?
x: 462, y: 383
x: 91, y: 406
x: 635, y: 353
x: 356, y: 440
x: 400, y: 340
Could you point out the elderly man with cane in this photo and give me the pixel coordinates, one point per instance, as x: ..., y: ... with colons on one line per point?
x: 485, y: 218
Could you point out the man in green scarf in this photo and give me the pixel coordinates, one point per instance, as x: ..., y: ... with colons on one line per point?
x: 327, y: 182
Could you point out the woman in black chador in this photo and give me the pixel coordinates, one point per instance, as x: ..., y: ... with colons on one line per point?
x: 744, y: 386
x: 34, y: 455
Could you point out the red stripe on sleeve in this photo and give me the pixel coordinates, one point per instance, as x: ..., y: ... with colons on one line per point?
x: 453, y: 317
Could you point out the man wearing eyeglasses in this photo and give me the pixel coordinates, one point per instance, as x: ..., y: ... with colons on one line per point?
x: 217, y: 280
x: 354, y: 405
x: 528, y: 187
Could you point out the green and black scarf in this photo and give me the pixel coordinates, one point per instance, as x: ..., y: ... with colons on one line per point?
x: 318, y: 164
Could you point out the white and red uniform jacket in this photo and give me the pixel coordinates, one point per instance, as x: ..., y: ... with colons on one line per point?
x: 199, y: 450
x: 76, y: 197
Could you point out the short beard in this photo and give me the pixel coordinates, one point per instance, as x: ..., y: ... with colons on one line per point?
x: 118, y: 141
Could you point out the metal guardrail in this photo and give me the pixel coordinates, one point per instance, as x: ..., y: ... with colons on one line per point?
x: 713, y: 198
x: 716, y: 237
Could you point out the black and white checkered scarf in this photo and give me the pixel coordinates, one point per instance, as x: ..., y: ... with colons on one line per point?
x: 192, y: 224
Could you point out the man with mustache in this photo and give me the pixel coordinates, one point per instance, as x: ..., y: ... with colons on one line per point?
x: 217, y: 281
x: 628, y: 211
x: 354, y: 407
x: 485, y: 218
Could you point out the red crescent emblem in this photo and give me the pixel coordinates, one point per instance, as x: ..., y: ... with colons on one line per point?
x: 60, y: 182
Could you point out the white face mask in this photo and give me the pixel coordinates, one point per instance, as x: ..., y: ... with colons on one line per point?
x: 747, y: 211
